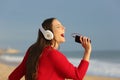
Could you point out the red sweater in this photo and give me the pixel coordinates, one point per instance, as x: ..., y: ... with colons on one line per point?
x: 53, y: 65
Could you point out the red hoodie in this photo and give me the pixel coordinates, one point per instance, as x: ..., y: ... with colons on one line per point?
x: 53, y: 65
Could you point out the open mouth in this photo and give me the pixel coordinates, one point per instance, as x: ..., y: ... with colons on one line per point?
x: 62, y: 35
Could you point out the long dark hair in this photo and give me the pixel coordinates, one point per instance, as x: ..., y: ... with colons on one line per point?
x: 35, y: 51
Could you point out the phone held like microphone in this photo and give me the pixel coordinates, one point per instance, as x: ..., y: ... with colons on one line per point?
x: 77, y: 37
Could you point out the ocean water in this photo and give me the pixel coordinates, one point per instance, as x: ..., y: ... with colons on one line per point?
x: 102, y: 63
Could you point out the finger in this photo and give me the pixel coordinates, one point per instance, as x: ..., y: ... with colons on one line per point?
x: 81, y: 39
x: 88, y: 39
x: 85, y: 39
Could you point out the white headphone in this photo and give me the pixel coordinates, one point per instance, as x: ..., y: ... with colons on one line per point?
x: 47, y: 33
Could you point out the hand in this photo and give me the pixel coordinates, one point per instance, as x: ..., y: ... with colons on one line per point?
x: 86, y: 44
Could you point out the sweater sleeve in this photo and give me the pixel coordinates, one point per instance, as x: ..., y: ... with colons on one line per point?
x: 65, y: 68
x: 19, y: 72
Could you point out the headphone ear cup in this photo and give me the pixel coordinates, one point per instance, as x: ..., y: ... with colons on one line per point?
x: 48, y: 35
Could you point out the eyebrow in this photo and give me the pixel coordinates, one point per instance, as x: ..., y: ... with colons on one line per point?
x: 58, y: 24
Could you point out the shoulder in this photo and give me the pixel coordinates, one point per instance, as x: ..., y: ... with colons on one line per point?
x: 49, y: 49
x: 51, y: 52
x: 54, y: 52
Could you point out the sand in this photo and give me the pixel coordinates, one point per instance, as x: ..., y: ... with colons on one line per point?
x: 5, y: 70
x: 100, y: 78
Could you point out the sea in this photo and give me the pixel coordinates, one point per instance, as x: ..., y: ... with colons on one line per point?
x: 102, y: 63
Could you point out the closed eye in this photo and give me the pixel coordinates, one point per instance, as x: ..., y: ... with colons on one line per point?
x: 59, y: 26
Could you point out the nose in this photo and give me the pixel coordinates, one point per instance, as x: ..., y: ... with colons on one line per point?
x: 63, y: 27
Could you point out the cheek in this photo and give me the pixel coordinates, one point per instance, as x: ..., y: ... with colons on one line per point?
x: 56, y: 36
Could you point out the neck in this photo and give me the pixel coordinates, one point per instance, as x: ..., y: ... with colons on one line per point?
x: 55, y: 46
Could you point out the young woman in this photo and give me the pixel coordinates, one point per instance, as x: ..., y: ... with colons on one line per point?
x: 43, y: 61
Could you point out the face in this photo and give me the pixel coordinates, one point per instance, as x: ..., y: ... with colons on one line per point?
x: 58, y: 31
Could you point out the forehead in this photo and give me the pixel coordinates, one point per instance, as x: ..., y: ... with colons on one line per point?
x: 56, y: 22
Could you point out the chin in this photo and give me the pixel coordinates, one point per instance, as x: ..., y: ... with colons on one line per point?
x: 63, y: 41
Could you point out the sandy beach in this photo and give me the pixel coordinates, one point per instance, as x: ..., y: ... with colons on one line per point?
x: 5, y: 70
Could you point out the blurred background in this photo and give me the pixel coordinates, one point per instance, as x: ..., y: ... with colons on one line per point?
x: 97, y: 19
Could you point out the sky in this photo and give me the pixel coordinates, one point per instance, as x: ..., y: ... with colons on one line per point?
x: 97, y: 19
